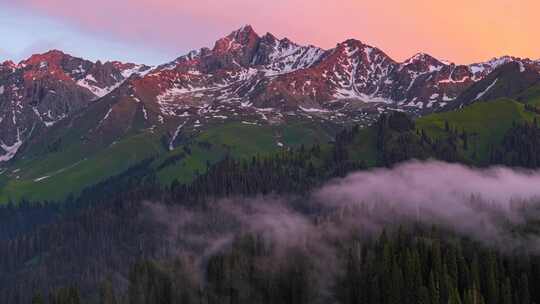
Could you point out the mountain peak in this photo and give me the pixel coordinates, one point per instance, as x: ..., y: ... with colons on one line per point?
x: 423, y: 59
x: 8, y: 64
x: 239, y: 38
x: 54, y: 52
x: 351, y: 42
x: 497, y: 61
x: 51, y: 57
x: 238, y: 48
x: 490, y: 65
x: 243, y: 33
x: 420, y: 57
x: 246, y: 27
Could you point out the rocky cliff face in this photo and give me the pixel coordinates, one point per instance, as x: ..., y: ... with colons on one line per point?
x: 38, y: 92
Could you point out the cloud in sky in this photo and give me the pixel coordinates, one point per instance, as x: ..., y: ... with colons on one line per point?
x: 460, y: 30
x: 489, y: 205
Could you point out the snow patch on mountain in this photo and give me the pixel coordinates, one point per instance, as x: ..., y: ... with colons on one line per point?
x: 90, y: 83
x: 11, y: 150
x: 289, y: 57
x: 176, y: 133
x: 450, y: 80
x: 105, y: 117
x: 145, y: 113
x: 481, y: 94
x: 39, y: 179
x: 483, y: 68
x: 426, y: 63
x: 52, y: 121
x: 313, y: 110
x: 521, y: 67
x: 139, y: 69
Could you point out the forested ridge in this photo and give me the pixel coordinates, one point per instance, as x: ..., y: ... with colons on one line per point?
x: 404, y: 267
x: 101, y: 247
x: 420, y: 266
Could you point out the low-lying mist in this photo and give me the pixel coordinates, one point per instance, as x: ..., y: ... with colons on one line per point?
x: 485, y: 204
x: 488, y: 205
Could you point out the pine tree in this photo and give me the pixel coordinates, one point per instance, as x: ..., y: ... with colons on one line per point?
x: 423, y: 296
x: 524, y: 294
x: 465, y: 139
x: 506, y: 292
x: 396, y: 286
x: 38, y: 299
x: 434, y: 289
x: 491, y: 280
x: 454, y: 297
x: 475, y: 272
x: 445, y: 284
x: 452, y: 267
x: 473, y: 296
x: 107, y: 293
x: 375, y: 291
x: 436, y: 259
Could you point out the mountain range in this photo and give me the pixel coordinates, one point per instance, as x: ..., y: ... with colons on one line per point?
x: 263, y: 171
x: 53, y: 105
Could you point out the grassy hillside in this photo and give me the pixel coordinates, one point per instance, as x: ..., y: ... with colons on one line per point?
x: 530, y: 96
x: 55, y: 175
x: 485, y: 122
x: 238, y: 140
x: 364, y: 147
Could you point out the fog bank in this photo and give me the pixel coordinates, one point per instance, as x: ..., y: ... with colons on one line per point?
x: 488, y: 205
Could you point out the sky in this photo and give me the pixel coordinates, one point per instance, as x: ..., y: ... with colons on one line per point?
x: 156, y: 31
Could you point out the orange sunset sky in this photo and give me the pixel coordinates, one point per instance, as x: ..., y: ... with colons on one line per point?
x: 462, y: 31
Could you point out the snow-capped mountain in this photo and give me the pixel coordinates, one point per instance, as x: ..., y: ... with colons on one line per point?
x: 244, y: 76
x: 40, y: 91
x: 278, y: 76
x: 510, y: 79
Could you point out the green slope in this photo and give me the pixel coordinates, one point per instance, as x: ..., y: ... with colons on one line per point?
x: 52, y: 178
x: 530, y: 96
x: 364, y: 147
x: 54, y: 175
x: 237, y: 140
x: 485, y: 122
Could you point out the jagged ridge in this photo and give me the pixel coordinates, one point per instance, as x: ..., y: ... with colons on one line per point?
x: 260, y: 79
